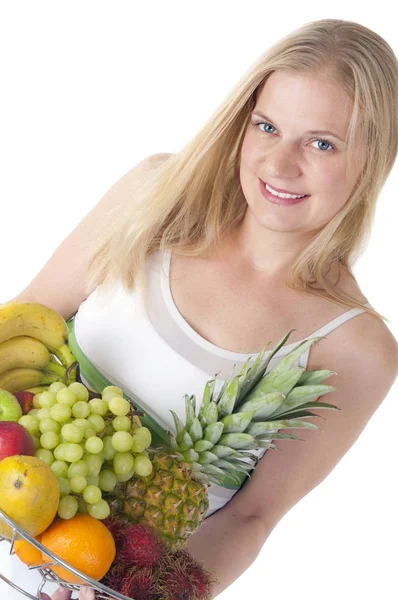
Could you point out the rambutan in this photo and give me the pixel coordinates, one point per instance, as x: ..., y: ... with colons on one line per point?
x: 139, y: 584
x: 182, y: 577
x: 116, y: 527
x: 142, y: 546
x: 115, y: 576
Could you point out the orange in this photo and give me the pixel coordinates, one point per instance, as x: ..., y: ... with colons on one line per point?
x: 84, y: 543
x: 29, y: 555
x: 29, y: 494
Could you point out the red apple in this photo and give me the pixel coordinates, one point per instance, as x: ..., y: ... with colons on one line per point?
x: 25, y: 399
x: 15, y: 439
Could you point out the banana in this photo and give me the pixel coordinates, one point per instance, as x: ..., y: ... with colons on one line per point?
x: 25, y: 351
x: 37, y: 389
x: 38, y: 321
x: 19, y: 379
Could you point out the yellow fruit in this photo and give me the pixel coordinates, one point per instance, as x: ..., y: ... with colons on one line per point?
x: 29, y: 494
x: 83, y: 542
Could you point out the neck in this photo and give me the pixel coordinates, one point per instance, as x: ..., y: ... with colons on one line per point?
x: 269, y: 254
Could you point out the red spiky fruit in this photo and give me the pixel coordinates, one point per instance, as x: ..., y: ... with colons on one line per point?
x: 116, y: 527
x: 142, y: 546
x: 182, y: 577
x: 139, y: 584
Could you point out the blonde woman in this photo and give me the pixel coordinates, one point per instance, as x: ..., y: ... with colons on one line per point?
x: 191, y: 262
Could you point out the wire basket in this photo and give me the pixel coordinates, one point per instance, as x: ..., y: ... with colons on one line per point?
x: 47, y: 574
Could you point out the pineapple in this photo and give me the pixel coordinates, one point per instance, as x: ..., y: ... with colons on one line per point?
x: 214, y: 445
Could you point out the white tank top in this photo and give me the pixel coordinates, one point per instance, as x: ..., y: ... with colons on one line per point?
x: 154, y: 354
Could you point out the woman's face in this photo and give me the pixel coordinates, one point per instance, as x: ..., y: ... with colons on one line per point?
x: 280, y: 151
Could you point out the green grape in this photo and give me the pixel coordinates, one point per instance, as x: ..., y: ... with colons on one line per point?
x: 71, y: 433
x: 36, y: 441
x: 93, y: 480
x: 33, y: 412
x: 60, y: 412
x: 59, y: 452
x: 122, y: 441
x: 73, y: 452
x: 92, y: 494
x: 49, y: 440
x: 101, y: 453
x: 66, y: 397
x: 68, y: 506
x: 123, y: 462
x: 57, y: 385
x: 47, y: 399
x: 60, y: 468
x: 125, y: 477
x: 36, y: 401
x: 45, y: 455
x: 109, y: 450
x: 119, y: 406
x: 88, y: 433
x: 107, y: 480
x: 82, y: 506
x: 141, y: 439
x: 98, y: 406
x: 30, y: 423
x: 44, y: 413
x: 99, y: 510
x: 121, y: 424
x: 77, y: 484
x: 94, y: 445
x: 79, y: 467
x: 79, y: 390
x: 96, y: 422
x: 142, y: 466
x: 81, y: 409
x: 111, y: 390
x: 94, y: 464
x: 81, y: 423
x: 64, y: 488
x: 49, y: 425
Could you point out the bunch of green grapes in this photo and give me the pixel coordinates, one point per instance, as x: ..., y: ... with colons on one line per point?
x: 90, y: 445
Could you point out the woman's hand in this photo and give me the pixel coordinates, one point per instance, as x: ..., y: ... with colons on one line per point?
x: 62, y: 594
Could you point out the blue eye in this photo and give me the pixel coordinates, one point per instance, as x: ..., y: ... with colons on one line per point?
x: 256, y: 123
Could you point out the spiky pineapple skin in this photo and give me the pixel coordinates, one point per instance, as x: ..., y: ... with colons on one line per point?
x: 169, y: 499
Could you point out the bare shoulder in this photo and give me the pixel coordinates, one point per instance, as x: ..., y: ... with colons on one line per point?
x: 158, y: 159
x: 363, y: 353
x: 364, y: 346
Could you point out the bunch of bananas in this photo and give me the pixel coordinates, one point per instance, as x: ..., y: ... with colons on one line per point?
x: 32, y: 336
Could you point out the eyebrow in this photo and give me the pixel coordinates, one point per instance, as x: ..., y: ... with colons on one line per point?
x: 320, y: 132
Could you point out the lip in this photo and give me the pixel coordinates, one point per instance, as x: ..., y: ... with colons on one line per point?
x: 276, y: 200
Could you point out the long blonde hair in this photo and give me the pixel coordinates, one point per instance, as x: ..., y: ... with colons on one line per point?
x: 190, y: 200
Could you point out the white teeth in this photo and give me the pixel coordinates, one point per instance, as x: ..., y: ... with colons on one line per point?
x: 280, y: 195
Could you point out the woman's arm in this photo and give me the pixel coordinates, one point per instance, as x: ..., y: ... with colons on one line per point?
x: 227, y: 543
x: 366, y: 363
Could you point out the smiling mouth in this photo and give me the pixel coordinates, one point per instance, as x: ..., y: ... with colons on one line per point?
x: 282, y: 192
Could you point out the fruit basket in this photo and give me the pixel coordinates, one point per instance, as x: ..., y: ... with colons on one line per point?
x: 47, y: 575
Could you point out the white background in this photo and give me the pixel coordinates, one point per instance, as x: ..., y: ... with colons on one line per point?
x: 88, y: 89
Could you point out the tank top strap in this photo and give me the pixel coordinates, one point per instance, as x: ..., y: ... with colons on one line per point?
x: 332, y: 325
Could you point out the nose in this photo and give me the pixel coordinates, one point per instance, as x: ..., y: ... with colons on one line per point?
x: 282, y: 162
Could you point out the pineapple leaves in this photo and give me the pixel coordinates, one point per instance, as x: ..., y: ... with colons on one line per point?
x: 207, y: 397
x: 300, y: 395
x: 227, y: 400
x: 315, y: 377
x: 237, y: 422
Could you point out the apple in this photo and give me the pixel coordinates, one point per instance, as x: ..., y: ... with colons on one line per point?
x: 15, y: 439
x: 25, y: 400
x: 10, y: 409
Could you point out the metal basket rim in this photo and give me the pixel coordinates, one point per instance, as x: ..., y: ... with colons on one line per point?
x: 100, y: 587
